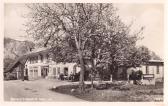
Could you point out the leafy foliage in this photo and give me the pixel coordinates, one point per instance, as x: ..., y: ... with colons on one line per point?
x: 77, y: 31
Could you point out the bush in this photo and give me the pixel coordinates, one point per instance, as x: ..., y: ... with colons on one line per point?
x: 11, y: 77
x: 76, y: 77
x: 101, y: 86
x: 136, y: 75
x: 124, y: 88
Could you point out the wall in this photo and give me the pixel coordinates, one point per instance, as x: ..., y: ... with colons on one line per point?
x: 70, y: 67
x: 152, y: 69
x: 32, y: 67
x: 159, y: 76
x: 51, y: 64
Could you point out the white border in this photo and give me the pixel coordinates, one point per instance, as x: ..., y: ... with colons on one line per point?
x: 84, y: 1
x: 84, y: 103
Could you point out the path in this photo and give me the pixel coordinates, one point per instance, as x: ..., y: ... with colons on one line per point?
x: 37, y: 90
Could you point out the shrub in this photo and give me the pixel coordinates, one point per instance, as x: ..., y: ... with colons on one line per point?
x: 101, y: 86
x: 11, y: 77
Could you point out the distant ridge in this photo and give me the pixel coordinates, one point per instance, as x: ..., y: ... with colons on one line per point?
x: 14, y: 49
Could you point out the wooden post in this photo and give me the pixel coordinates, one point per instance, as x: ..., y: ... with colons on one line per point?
x: 111, y: 77
x: 17, y: 74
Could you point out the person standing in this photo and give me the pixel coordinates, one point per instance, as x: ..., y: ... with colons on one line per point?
x: 26, y: 73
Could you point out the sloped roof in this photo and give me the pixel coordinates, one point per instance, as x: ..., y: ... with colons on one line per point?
x: 36, y: 52
x: 156, y: 62
x: 21, y: 60
x: 152, y: 60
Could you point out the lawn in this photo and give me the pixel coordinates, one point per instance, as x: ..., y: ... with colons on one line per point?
x: 116, y: 92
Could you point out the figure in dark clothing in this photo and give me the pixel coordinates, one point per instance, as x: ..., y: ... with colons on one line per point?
x: 61, y: 76
x: 26, y: 73
x: 136, y: 76
x: 139, y: 75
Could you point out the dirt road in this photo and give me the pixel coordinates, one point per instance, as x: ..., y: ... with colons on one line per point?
x: 37, y: 90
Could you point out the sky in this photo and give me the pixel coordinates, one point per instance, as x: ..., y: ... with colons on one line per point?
x: 151, y: 16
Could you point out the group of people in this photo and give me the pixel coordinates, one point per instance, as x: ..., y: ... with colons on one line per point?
x: 135, y: 76
x: 71, y: 77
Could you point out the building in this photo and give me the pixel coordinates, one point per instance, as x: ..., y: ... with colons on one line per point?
x: 154, y: 68
x: 15, y: 70
x: 40, y: 64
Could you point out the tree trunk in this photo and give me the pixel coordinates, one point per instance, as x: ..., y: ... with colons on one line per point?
x: 82, y: 71
x: 81, y: 83
x: 93, y: 68
x: 112, y: 69
x: 92, y: 79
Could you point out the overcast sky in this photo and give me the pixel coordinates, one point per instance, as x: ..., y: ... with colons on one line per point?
x: 148, y: 15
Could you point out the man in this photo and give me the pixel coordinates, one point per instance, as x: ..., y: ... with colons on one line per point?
x: 26, y: 73
x: 130, y: 72
x: 139, y: 75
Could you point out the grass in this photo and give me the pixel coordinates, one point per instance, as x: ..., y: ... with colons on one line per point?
x: 116, y: 92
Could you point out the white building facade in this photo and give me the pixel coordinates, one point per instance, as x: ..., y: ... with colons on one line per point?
x: 41, y: 65
x: 155, y: 68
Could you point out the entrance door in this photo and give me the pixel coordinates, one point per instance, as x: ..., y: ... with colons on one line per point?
x: 66, y: 71
x: 35, y: 73
x: 44, y: 72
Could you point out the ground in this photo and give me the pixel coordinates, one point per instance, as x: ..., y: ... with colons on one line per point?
x: 38, y: 90
x: 117, y: 92
x: 55, y: 90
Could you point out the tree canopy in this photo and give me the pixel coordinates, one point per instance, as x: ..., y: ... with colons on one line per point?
x: 84, y: 30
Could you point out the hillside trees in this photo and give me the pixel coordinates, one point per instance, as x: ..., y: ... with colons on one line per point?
x: 13, y: 49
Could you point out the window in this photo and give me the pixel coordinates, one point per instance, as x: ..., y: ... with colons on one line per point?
x: 36, y: 59
x: 58, y: 70
x: 54, y: 71
x: 157, y: 71
x: 74, y: 69
x: 33, y: 60
x: 41, y: 58
x: 47, y: 56
x: 31, y: 73
x: 30, y: 60
x: 147, y: 69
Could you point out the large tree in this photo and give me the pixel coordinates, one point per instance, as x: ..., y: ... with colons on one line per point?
x: 77, y: 31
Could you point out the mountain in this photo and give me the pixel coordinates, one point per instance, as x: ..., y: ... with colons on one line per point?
x: 14, y: 48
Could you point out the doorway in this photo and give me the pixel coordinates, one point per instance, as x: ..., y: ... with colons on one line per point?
x: 44, y: 71
x: 66, y: 71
